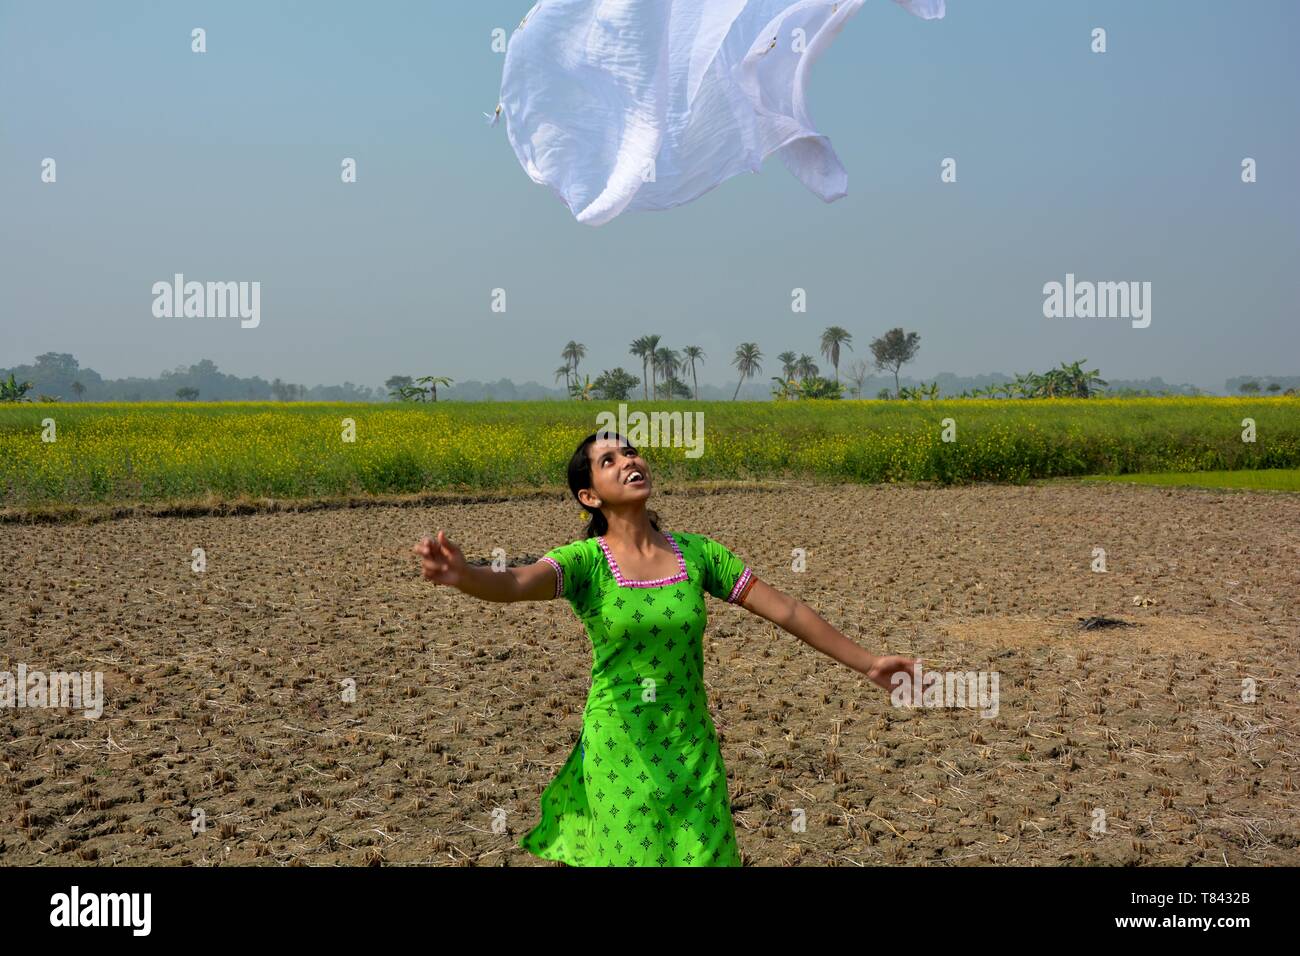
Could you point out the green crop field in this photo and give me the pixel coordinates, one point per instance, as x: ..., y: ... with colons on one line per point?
x: 190, y: 451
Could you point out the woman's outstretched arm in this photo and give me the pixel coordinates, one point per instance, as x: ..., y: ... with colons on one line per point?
x: 796, y: 617
x: 442, y: 562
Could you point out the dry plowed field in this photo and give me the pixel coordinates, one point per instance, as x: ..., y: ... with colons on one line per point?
x: 225, y: 691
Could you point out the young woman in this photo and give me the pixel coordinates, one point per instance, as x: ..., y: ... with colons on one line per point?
x: 645, y: 785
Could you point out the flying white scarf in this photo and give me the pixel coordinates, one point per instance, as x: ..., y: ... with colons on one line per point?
x: 648, y: 104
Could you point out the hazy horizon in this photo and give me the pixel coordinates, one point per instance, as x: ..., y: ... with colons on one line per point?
x: 225, y: 166
x: 470, y: 388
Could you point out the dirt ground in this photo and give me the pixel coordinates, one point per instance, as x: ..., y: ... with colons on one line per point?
x: 224, y: 690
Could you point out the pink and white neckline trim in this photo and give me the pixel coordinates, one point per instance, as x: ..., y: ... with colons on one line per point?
x: 658, y: 582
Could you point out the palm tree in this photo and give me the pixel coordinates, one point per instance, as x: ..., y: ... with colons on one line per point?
x: 746, y: 361
x: 656, y: 363
x: 640, y: 350
x: 78, y: 389
x: 1026, y: 386
x: 433, y: 381
x: 1082, y: 384
x: 805, y: 367
x: 693, y: 353
x: 563, y: 373
x: 787, y: 360
x: 832, y: 339
x: 652, y: 345
x: 667, y: 362
x: 410, y: 393
x: 572, y: 353
x: 1053, y: 384
x: 644, y: 348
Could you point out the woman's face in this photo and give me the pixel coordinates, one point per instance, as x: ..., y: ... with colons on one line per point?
x: 618, y: 475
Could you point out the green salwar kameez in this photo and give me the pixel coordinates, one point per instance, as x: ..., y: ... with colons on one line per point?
x: 645, y: 785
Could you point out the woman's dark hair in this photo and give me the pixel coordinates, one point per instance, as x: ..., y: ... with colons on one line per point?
x: 580, y: 477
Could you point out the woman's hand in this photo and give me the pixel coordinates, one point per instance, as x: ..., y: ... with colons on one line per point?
x: 883, y: 670
x: 441, y: 561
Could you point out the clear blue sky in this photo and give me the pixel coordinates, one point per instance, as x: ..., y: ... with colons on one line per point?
x: 225, y: 165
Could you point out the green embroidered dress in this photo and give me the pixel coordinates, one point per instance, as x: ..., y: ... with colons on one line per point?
x: 645, y: 785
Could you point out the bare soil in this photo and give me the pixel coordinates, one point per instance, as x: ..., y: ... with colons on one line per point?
x: 225, y: 690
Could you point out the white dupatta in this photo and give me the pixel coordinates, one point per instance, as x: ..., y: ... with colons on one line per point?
x: 648, y: 104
